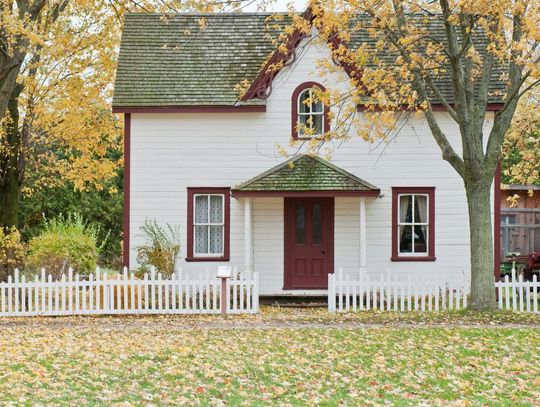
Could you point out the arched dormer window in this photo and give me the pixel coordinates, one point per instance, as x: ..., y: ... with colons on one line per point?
x: 309, y: 114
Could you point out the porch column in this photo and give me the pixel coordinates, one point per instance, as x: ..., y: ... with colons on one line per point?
x: 248, y: 235
x: 363, y: 243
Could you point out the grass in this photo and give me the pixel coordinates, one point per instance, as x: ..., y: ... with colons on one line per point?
x: 249, y: 360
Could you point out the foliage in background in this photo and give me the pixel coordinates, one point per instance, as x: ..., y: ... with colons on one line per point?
x: 162, y: 247
x: 521, y: 147
x: 101, y: 208
x: 12, y: 251
x: 60, y: 143
x: 67, y: 241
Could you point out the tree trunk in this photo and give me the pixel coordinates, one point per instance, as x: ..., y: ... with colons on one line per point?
x: 481, y: 246
x: 10, y: 177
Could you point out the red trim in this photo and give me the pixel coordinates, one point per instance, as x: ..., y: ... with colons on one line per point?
x: 226, y: 243
x: 307, y: 194
x: 339, y: 48
x: 261, y: 87
x: 497, y: 224
x: 491, y: 107
x: 431, y: 205
x: 294, y: 110
x: 127, y: 184
x: 189, y: 109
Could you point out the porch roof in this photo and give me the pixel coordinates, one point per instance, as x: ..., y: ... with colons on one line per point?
x: 305, y: 175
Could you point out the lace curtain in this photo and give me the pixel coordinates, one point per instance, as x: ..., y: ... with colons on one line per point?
x: 208, y: 222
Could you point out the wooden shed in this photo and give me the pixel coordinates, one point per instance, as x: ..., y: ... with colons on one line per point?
x: 520, y: 224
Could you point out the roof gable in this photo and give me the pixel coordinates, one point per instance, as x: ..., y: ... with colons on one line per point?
x: 169, y: 61
x: 305, y: 173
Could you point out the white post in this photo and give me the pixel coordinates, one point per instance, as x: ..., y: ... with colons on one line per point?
x: 363, y: 243
x: 248, y: 236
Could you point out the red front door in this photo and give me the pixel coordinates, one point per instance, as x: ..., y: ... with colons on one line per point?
x: 309, y: 242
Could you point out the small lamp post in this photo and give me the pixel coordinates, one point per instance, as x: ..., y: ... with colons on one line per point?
x: 224, y: 272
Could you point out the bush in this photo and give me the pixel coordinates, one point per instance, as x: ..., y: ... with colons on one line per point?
x: 12, y: 251
x: 66, y: 242
x: 162, y: 248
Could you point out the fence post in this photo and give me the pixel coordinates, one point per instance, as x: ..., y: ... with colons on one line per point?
x: 255, y: 301
x: 331, y: 292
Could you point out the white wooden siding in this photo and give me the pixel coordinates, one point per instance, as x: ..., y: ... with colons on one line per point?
x: 170, y: 152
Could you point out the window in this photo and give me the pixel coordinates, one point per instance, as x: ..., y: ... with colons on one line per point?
x: 208, y: 224
x: 309, y: 114
x: 413, y: 223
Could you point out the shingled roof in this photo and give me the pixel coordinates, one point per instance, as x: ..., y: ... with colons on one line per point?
x: 305, y: 173
x: 167, y: 60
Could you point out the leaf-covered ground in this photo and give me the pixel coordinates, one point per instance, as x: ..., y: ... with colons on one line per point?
x: 280, y: 357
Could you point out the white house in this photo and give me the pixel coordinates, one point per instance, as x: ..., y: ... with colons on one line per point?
x: 198, y: 157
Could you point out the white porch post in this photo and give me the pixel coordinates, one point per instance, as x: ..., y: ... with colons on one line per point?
x: 363, y: 243
x: 248, y: 235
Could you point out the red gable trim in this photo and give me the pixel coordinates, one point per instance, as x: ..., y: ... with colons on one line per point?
x: 189, y: 109
x: 261, y: 87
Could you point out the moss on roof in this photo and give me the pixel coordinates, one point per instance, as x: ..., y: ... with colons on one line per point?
x: 305, y: 173
x: 167, y: 60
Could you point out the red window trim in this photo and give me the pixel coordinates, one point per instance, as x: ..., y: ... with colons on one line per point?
x: 294, y: 111
x: 226, y: 238
x: 430, y: 191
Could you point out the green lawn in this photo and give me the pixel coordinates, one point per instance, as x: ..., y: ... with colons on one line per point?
x: 199, y: 360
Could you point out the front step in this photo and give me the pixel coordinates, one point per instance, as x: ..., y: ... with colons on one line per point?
x: 295, y: 302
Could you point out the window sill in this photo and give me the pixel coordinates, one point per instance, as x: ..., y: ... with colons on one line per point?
x: 303, y: 138
x: 413, y: 258
x: 200, y: 259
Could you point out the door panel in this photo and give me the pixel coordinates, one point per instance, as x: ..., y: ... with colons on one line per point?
x: 309, y: 242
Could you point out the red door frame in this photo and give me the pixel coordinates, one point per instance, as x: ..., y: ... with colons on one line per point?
x: 289, y: 239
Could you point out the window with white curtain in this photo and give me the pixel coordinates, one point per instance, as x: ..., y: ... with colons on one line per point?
x: 208, y: 225
x: 413, y: 224
x: 310, y: 114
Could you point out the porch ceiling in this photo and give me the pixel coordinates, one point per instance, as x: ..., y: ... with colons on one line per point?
x: 305, y: 175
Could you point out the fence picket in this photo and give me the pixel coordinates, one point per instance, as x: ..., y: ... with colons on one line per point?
x: 16, y: 291
x: 36, y: 295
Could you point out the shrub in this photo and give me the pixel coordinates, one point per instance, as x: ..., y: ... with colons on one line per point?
x: 12, y: 251
x: 161, y: 249
x: 66, y: 242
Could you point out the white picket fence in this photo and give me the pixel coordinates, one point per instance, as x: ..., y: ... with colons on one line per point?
x: 514, y: 294
x: 394, y: 292
x: 421, y: 292
x: 100, y: 293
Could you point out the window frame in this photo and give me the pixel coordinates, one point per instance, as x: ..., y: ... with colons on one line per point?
x: 295, y: 115
x: 192, y: 193
x: 429, y: 255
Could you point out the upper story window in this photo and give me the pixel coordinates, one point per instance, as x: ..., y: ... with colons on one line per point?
x: 208, y: 224
x: 413, y: 223
x: 309, y: 114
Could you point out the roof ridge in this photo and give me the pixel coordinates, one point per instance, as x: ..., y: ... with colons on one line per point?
x: 269, y: 171
x: 245, y: 186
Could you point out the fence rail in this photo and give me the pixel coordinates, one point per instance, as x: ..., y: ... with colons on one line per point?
x: 101, y: 293
x: 420, y: 292
x: 514, y: 294
x: 394, y: 292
